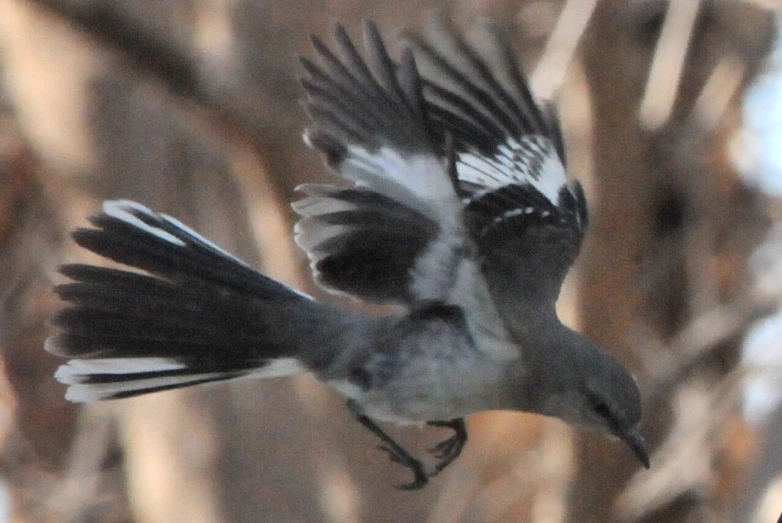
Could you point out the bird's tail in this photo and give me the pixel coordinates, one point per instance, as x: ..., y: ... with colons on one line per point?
x: 197, y: 314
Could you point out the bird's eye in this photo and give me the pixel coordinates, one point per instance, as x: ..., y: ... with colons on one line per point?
x: 601, y: 409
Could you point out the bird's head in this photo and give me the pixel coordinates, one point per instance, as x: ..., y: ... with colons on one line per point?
x: 597, y: 392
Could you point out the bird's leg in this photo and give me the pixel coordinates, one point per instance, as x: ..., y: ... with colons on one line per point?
x: 395, y: 451
x: 449, y: 449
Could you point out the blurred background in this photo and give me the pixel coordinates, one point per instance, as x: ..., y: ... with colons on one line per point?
x: 672, y: 115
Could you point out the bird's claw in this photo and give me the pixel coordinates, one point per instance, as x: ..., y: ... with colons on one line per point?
x: 445, y: 448
x: 445, y: 452
x: 392, y: 454
x: 449, y: 449
x: 421, y: 478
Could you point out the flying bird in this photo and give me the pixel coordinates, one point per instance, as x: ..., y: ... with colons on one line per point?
x: 457, y: 209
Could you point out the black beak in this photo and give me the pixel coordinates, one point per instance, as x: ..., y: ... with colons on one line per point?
x: 636, y: 444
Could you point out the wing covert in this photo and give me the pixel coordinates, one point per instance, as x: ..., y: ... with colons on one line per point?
x: 510, y: 160
x: 389, y: 127
x: 369, y: 119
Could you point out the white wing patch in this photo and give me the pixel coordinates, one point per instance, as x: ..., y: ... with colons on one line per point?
x: 533, y: 161
x: 310, y: 231
x: 319, y: 204
x: 416, y: 181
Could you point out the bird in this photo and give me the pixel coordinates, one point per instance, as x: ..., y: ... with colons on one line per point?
x: 454, y: 206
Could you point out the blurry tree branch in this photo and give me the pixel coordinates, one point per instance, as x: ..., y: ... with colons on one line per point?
x: 702, y: 335
x: 149, y: 49
x: 665, y: 74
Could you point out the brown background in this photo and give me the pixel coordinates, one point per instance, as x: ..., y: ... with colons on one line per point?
x: 192, y: 107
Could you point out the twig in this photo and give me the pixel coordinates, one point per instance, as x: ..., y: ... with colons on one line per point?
x: 716, y: 95
x: 549, y: 74
x: 105, y: 21
x: 668, y: 63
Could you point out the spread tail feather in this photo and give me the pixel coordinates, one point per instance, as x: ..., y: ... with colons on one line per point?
x: 115, y: 378
x: 197, y: 315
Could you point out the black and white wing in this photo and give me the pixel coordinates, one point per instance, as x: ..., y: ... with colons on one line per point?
x: 520, y: 209
x: 401, y: 234
x: 369, y: 119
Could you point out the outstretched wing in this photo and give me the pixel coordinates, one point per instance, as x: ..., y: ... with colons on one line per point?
x: 368, y: 117
x: 519, y: 207
x: 402, y: 233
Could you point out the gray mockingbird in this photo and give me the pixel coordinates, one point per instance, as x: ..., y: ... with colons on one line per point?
x: 459, y: 210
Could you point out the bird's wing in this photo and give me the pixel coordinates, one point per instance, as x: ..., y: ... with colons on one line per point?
x: 520, y: 208
x: 368, y: 118
x: 405, y: 231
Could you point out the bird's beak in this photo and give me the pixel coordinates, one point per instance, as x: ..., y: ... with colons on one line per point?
x: 636, y: 444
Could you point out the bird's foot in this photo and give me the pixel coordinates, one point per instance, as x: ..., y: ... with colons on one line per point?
x: 421, y: 478
x: 448, y: 449
x: 395, y: 451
